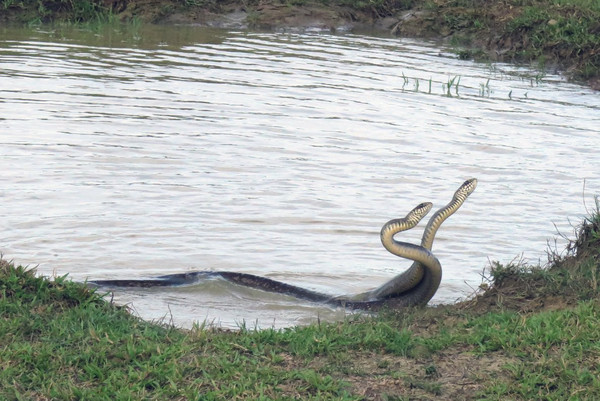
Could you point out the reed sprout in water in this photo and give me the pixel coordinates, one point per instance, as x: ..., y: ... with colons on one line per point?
x: 484, y: 89
x: 453, y: 82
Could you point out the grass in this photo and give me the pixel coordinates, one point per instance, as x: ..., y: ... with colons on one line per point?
x: 534, y: 333
x: 40, y: 11
x: 555, y: 353
x: 552, y: 32
x: 563, y: 32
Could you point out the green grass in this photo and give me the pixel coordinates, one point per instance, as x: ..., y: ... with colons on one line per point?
x: 60, y: 340
x: 590, y: 4
x: 73, y: 11
x: 555, y: 352
x: 547, y: 32
x: 533, y: 334
x: 563, y: 32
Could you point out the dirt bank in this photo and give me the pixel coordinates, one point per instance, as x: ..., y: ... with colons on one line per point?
x: 561, y: 35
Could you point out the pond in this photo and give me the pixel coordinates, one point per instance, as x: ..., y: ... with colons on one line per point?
x: 129, y: 153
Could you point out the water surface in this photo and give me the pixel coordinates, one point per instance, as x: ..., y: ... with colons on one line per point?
x: 167, y: 149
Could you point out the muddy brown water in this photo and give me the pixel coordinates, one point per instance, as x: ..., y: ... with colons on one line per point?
x: 154, y: 150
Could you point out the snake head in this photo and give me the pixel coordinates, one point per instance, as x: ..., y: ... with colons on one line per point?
x: 420, y: 211
x: 466, y: 188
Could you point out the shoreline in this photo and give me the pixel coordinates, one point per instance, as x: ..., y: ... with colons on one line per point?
x: 562, y: 35
x: 532, y: 332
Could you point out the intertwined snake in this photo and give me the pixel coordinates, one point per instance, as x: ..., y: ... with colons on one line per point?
x: 414, y: 287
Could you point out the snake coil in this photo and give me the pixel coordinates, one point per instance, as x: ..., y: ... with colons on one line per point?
x: 414, y: 287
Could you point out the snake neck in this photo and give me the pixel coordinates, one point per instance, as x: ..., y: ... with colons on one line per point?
x: 416, y: 286
x: 439, y: 217
x: 459, y: 197
x: 410, y: 251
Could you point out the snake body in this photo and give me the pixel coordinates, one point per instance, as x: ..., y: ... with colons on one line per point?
x: 415, y: 287
x: 410, y: 278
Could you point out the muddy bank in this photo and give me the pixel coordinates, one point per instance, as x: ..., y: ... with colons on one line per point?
x: 565, y: 39
x: 560, y: 35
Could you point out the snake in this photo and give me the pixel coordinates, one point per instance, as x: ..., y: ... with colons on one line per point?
x: 415, y: 287
x: 409, y: 279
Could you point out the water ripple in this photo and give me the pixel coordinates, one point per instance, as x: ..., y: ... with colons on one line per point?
x: 277, y: 154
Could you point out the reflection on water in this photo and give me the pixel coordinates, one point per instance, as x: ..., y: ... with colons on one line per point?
x: 166, y: 149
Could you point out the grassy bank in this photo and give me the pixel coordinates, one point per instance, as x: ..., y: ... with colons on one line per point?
x: 534, y: 333
x: 562, y: 34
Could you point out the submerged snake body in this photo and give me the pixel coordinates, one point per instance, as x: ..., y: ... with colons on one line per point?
x: 415, y: 287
